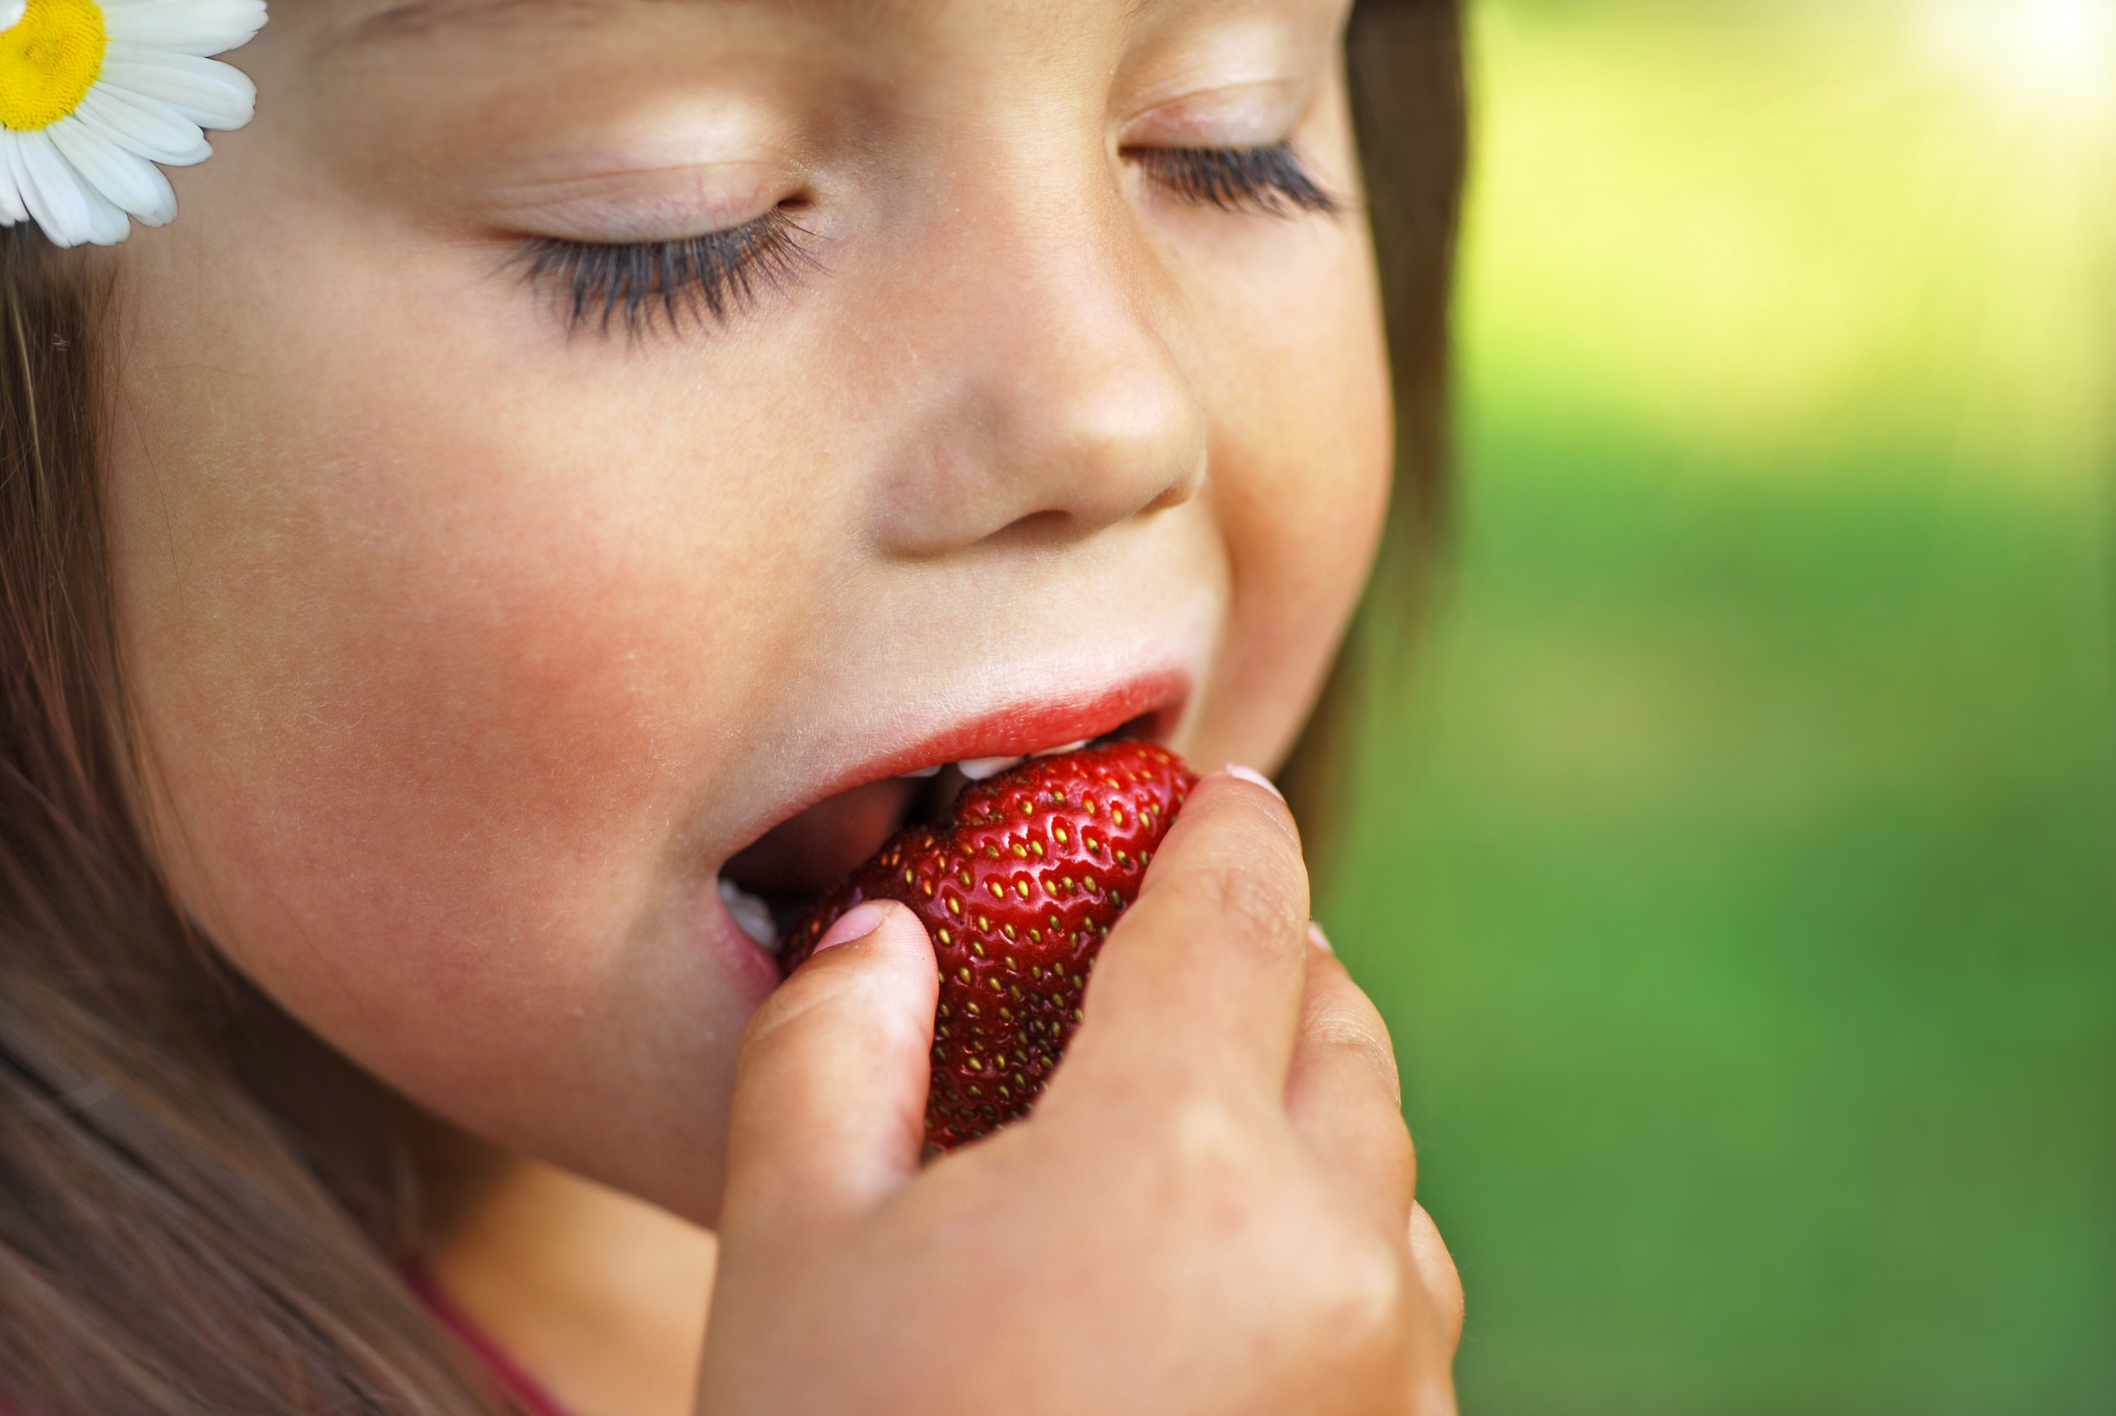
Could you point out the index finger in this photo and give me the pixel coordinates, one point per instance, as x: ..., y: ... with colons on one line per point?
x: 1203, y: 976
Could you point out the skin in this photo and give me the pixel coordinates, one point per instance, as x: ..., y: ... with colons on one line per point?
x: 468, y: 646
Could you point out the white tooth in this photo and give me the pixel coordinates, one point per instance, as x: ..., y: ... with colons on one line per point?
x: 921, y: 774
x: 751, y: 913
x: 979, y: 768
x: 1061, y: 751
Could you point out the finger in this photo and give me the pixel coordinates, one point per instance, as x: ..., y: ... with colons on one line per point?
x: 1201, y: 978
x: 1342, y: 1094
x: 1436, y: 1271
x: 830, y: 1088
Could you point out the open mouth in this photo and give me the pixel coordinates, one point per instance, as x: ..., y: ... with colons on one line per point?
x: 769, y: 884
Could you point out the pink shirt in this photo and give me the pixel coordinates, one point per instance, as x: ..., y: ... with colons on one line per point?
x: 519, y: 1384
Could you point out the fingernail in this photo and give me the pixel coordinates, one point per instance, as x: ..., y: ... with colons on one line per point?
x: 1319, y: 939
x: 1250, y: 774
x: 856, y: 923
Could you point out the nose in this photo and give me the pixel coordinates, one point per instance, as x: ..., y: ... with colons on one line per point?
x: 1040, y: 398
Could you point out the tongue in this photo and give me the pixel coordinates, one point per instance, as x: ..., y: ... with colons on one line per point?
x: 809, y: 853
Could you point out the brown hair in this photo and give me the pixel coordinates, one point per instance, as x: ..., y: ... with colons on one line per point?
x: 1409, y: 110
x: 203, y: 1210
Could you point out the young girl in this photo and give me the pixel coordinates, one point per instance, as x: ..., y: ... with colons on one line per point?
x: 542, y: 493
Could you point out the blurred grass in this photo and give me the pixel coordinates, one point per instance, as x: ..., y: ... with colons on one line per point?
x: 1739, y: 871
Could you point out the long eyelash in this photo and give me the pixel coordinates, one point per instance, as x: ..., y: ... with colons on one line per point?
x: 634, y: 284
x: 1270, y: 179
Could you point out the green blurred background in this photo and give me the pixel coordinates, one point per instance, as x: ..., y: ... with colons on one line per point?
x: 1738, y: 867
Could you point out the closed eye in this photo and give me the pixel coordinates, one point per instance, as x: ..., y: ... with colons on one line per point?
x: 1268, y: 179
x: 631, y: 285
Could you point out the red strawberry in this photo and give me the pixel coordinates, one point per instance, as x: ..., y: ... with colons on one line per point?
x: 1018, y: 896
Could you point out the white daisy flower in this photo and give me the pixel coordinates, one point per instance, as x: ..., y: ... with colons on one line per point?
x: 93, y: 93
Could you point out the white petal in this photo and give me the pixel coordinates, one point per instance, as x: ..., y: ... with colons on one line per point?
x: 187, y: 26
x: 10, y: 140
x: 55, y: 194
x: 146, y: 127
x: 206, y: 91
x: 130, y: 182
x: 108, y: 225
x: 11, y: 208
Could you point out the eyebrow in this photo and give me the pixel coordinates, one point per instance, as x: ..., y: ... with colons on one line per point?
x: 413, y: 18
x: 416, y: 17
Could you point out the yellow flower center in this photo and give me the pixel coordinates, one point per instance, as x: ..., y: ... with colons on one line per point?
x: 49, y: 60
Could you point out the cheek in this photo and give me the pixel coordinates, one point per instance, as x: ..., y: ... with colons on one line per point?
x: 1302, y: 461
x: 429, y: 702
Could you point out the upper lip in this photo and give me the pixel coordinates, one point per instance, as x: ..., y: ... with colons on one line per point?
x: 1153, y: 702
x: 1021, y: 729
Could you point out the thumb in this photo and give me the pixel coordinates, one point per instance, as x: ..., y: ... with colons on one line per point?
x: 829, y: 1112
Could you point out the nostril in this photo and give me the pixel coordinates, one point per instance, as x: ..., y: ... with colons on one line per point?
x: 1036, y: 529
x: 1054, y: 525
x: 1183, y: 488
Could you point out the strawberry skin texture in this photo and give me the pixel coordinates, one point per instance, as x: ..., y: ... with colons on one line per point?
x: 1017, y: 896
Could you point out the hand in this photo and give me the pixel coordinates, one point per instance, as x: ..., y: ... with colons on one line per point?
x: 1209, y: 1211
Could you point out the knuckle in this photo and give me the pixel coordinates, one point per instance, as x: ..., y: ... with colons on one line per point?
x: 1357, y: 1301
x: 1210, y: 1152
x: 1258, y: 904
x: 1353, y: 1038
x: 1372, y: 1293
x: 1206, y: 1134
x: 1341, y: 1294
x: 1435, y: 1265
x: 1216, y: 1166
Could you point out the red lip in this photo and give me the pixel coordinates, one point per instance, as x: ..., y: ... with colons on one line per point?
x: 805, y: 844
x: 1018, y: 731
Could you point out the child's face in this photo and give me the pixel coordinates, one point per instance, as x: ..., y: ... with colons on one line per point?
x: 472, y: 646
